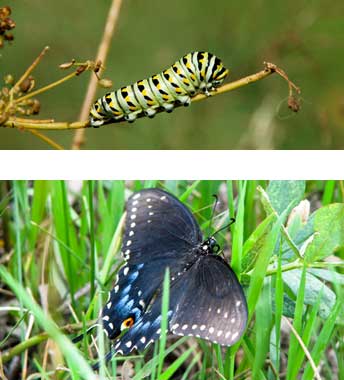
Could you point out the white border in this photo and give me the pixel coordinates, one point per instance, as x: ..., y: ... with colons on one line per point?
x: 188, y: 164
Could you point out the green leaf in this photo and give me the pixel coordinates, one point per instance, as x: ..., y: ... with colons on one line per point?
x: 292, y: 279
x: 329, y: 228
x: 282, y: 193
x: 255, y: 242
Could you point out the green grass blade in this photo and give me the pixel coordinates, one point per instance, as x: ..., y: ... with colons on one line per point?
x: 323, y: 339
x: 328, y: 192
x: 297, y: 323
x: 164, y: 320
x: 176, y: 364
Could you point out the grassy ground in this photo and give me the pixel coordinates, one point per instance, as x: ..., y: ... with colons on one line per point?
x: 60, y: 244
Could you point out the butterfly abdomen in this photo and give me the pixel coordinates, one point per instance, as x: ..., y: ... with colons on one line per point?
x: 194, y: 73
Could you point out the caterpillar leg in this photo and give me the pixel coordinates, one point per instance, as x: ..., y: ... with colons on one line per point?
x: 96, y: 123
x: 168, y: 107
x: 131, y: 117
x: 151, y: 112
x: 185, y: 100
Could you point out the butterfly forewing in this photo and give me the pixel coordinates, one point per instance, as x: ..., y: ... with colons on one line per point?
x: 160, y: 232
x: 209, y: 302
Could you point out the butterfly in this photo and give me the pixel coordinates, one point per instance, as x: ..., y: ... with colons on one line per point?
x: 206, y: 298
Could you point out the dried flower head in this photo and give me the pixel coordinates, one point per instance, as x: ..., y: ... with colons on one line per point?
x: 6, y: 24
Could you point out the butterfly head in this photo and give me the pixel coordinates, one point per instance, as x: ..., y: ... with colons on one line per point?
x: 210, y: 246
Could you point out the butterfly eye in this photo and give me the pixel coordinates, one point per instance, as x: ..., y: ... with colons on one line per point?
x: 126, y: 324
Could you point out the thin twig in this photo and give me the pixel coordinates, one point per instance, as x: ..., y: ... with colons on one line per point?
x: 12, y: 122
x: 79, y: 137
x: 46, y: 88
x: 30, y: 68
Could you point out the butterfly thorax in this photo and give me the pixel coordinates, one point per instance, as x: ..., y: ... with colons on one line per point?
x: 209, y: 246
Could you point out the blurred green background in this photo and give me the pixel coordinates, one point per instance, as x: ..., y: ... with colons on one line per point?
x: 305, y: 38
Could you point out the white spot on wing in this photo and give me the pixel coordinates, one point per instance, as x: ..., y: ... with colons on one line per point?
x: 116, y: 288
x: 111, y: 325
x: 202, y: 327
x: 175, y: 326
x: 128, y: 243
x: 235, y: 335
x: 128, y: 344
x: 233, y: 320
x: 106, y: 318
x: 132, y: 217
x: 131, y: 233
x: 133, y: 224
x: 151, y: 213
x: 109, y: 305
x: 194, y: 327
x: 138, y: 195
x: 219, y: 333
x: 134, y: 209
x: 211, y: 330
x: 126, y: 270
x: 184, y: 327
x: 163, y: 197
x: 238, y: 303
x: 143, y: 340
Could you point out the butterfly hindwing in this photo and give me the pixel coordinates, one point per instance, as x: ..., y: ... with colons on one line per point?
x: 209, y: 302
x: 206, y: 301
x: 144, y: 332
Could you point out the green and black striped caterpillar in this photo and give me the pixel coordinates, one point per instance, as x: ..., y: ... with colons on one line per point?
x: 196, y: 72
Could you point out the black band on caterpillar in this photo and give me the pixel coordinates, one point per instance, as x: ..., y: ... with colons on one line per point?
x: 194, y: 73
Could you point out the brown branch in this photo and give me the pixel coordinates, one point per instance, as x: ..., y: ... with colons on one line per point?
x: 270, y: 68
x: 79, y: 137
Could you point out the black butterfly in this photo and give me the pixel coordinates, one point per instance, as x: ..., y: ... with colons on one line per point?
x: 206, y: 299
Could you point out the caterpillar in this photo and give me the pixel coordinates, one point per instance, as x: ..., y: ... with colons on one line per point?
x: 196, y: 72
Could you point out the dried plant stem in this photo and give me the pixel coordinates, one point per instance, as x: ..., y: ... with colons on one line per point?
x: 13, y: 122
x: 270, y: 68
x: 46, y: 88
x: 79, y: 137
x: 30, y: 68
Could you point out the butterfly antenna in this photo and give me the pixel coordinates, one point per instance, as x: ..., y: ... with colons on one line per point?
x: 213, y: 213
x: 231, y: 221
